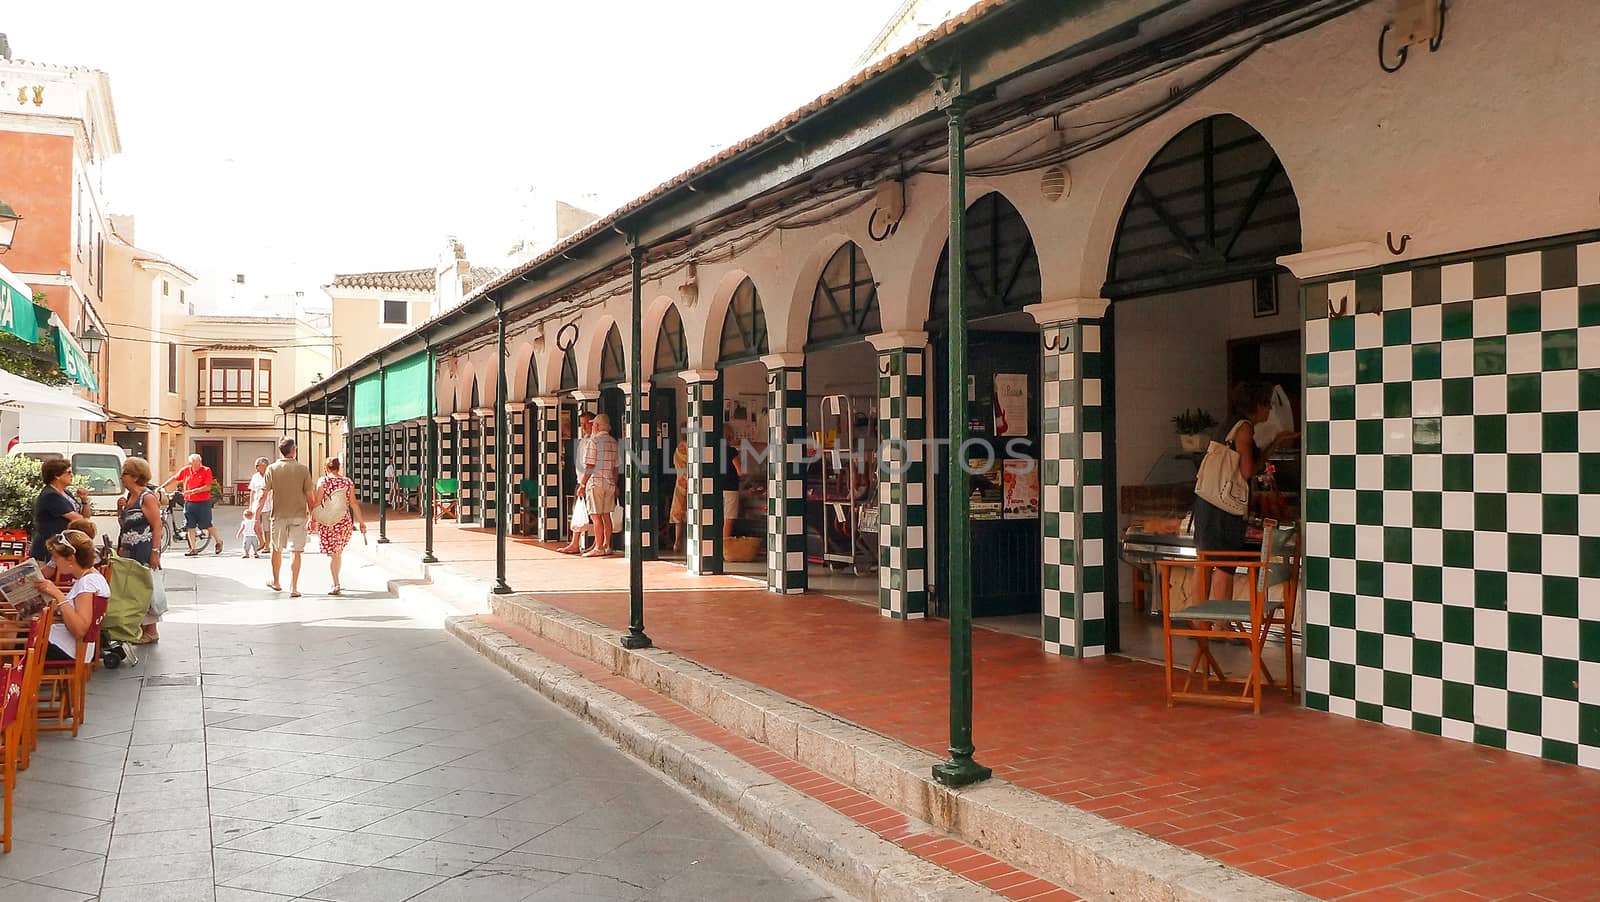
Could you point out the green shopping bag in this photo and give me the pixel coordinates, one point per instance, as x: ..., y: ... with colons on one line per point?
x: 131, y: 588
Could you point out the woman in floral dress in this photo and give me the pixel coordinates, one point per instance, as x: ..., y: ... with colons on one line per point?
x: 332, y: 539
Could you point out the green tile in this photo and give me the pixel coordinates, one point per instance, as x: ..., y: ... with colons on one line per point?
x: 1427, y: 657
x: 1493, y: 737
x: 1589, y: 724
x: 1524, y: 393
x: 1560, y: 596
x: 1317, y: 506
x: 1561, y: 677
x: 1489, y: 433
x: 1397, y: 399
x: 1589, y: 390
x: 1458, y: 397
x: 1427, y: 584
x: 1523, y: 713
x: 1341, y: 679
x: 1369, y: 649
x: 1489, y: 355
x: 1342, y: 334
x: 1426, y: 435
x: 1523, y: 552
x: 1426, y: 510
x: 1458, y: 701
x: 1560, y: 431
x: 1342, y: 541
x: 1456, y: 320
x: 1094, y: 633
x: 1316, y: 701
x: 1369, y: 365
x: 1522, y: 313
x: 1397, y: 544
x: 1589, y: 640
x: 1425, y: 361
x: 1523, y: 473
x: 1342, y: 610
x: 1458, y: 548
x: 1396, y: 690
x: 1396, y: 617
x: 1316, y: 641
x: 1559, y: 266
x: 1094, y: 472
x: 1488, y: 277
x: 1489, y: 590
x: 1589, y: 556
x: 1369, y: 578
x: 1317, y: 573
x: 1525, y: 633
x: 1431, y: 724
x: 1369, y: 436
x: 1426, y: 286
x: 1589, y: 305
x: 1316, y: 370
x: 1458, y: 473
x: 1556, y: 750
x: 1560, y: 349
x: 1397, y: 472
x: 1342, y: 402
x: 1458, y: 625
x: 1561, y: 515
x: 1369, y: 507
x: 1489, y: 512
x: 1342, y: 471
x: 1093, y: 419
x: 1317, y: 437
x: 1396, y: 327
x: 1489, y: 667
x: 1369, y: 293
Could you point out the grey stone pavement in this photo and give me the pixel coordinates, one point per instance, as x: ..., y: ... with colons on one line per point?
x: 345, y: 749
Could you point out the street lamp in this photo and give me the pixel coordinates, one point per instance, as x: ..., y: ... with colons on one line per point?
x: 90, y: 339
x: 8, y: 225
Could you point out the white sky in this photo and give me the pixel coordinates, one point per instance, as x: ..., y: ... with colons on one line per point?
x: 303, y: 139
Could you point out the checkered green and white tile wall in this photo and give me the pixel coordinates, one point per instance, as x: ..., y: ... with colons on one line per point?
x: 469, y: 446
x: 902, y: 485
x: 547, y: 470
x: 488, y: 481
x: 1452, y: 502
x: 517, y: 459
x: 786, y: 498
x: 647, y: 506
x: 703, y: 515
x: 1072, y: 489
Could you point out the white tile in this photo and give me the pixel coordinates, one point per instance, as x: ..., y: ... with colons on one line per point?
x: 1560, y: 637
x: 1559, y: 719
x: 1369, y: 547
x: 1559, y: 390
x: 1426, y: 324
x: 1524, y: 353
x: 1456, y: 510
x: 1397, y: 654
x: 1489, y: 551
x: 1427, y: 398
x: 1427, y: 621
x: 1524, y: 513
x: 1489, y: 316
x: 1397, y: 363
x: 1317, y: 607
x: 1457, y: 729
x: 1397, y: 508
x: 1525, y: 673
x: 1316, y: 336
x: 1589, y: 347
x: 1524, y: 433
x: 1558, y: 309
x: 1427, y: 695
x: 1457, y: 435
x: 1317, y: 472
x: 1489, y: 394
x: 1427, y: 547
x: 1344, y: 707
x: 1369, y: 472
x: 1342, y: 437
x: 1489, y: 628
x: 1459, y: 663
x: 1524, y: 593
x: 1342, y: 368
x: 1489, y: 472
x: 1369, y: 330
x: 1369, y: 401
x: 1455, y: 358
x: 1396, y: 290
x: 1524, y: 272
x: 1317, y: 404
x: 1489, y: 707
x: 1342, y: 644
x: 1589, y: 430
x: 1455, y: 282
x: 1589, y: 682
x: 1369, y: 685
x: 1397, y: 435
x: 1317, y: 539
x: 1524, y: 743
x: 1559, y: 554
x: 1369, y: 614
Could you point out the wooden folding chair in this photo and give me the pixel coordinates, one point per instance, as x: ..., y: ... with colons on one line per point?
x: 32, y: 676
x: 14, y: 635
x: 68, y: 681
x: 1246, y: 620
x: 444, y: 498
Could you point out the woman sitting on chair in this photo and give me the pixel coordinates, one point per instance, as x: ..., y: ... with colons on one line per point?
x: 72, y: 552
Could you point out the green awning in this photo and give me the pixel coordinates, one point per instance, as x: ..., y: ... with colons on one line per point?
x: 364, y: 410
x: 16, y: 308
x: 404, y: 397
x: 74, y: 363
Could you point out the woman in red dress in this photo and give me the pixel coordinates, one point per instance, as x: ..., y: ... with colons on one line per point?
x: 332, y: 539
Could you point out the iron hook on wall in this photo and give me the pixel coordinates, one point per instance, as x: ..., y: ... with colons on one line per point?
x: 883, y: 368
x: 1052, y: 341
x: 872, y: 230
x: 1340, y: 311
x: 1435, y: 41
x: 564, y: 342
x: 1388, y: 238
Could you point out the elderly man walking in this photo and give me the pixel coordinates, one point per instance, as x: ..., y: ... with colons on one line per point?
x: 292, y: 495
x: 196, y: 479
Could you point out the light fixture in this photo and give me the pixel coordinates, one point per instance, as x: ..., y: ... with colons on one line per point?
x: 8, y: 226
x: 91, y: 340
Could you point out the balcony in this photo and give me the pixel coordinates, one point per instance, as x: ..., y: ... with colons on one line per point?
x: 224, y: 415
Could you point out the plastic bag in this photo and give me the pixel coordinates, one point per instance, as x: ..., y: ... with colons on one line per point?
x: 580, y: 513
x: 618, y: 523
x: 158, y: 593
x: 1279, y: 421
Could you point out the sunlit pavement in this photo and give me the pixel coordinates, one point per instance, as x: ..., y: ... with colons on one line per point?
x: 345, y: 749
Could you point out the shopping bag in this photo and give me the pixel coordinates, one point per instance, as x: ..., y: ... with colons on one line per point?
x: 331, y: 510
x: 617, y: 515
x: 1220, y: 483
x: 580, y: 513
x: 1279, y: 420
x: 158, y: 593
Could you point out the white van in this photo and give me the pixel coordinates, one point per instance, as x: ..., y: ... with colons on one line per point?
x: 99, y: 465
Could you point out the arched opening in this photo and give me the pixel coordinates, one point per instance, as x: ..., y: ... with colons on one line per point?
x: 744, y: 328
x: 1199, y: 305
x: 569, y: 370
x: 668, y: 405
x: 842, y: 410
x: 613, y: 372
x: 531, y: 385
x: 1004, y: 409
x: 672, y: 351
x: 744, y: 413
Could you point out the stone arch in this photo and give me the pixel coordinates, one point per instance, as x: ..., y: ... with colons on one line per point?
x: 465, y: 375
x: 522, y: 377
x: 704, y: 348
x: 794, y: 318
x: 929, y: 256
x: 669, y: 352
x: 655, y: 312
x: 591, y: 342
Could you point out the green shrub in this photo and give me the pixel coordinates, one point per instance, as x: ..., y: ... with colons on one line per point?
x: 19, y: 488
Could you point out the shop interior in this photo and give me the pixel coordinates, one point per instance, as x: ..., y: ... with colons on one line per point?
x: 842, y: 481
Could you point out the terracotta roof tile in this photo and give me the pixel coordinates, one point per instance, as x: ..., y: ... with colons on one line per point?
x: 394, y: 280
x: 478, y: 275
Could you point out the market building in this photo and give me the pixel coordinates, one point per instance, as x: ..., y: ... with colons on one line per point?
x: 1392, y: 220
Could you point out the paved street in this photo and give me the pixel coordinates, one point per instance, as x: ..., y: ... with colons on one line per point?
x: 345, y: 749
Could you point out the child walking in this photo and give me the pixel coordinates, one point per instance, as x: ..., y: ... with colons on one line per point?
x: 247, y: 534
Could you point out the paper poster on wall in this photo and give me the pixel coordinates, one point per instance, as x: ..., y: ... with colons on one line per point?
x: 1010, y: 404
x: 987, y: 500
x: 1021, y: 489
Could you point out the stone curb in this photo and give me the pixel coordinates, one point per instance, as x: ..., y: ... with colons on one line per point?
x: 408, y: 576
x: 1088, y: 854
x: 836, y: 848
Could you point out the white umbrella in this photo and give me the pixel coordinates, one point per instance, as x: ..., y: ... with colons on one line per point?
x: 27, y: 396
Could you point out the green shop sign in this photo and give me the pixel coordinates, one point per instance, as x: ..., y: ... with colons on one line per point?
x: 75, y: 363
x: 16, y: 308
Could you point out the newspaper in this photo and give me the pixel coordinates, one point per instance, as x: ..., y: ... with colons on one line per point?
x: 18, y: 586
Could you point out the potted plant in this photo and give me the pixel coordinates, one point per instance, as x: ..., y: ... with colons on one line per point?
x: 1194, y: 429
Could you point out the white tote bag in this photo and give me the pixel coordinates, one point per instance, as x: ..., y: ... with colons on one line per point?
x: 332, y: 510
x: 1279, y: 421
x: 580, y: 513
x: 1220, y: 483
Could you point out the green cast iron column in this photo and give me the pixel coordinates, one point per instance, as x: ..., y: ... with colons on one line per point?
x: 501, y: 438
x: 383, y: 428
x: 636, y: 637
x: 960, y: 769
x: 327, y: 429
x: 430, y: 463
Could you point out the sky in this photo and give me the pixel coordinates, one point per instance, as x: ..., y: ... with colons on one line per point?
x: 293, y: 140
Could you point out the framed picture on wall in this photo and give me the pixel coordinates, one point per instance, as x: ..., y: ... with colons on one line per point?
x: 1266, y: 296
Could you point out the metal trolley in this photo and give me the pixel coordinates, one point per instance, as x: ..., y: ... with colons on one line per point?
x: 849, y: 489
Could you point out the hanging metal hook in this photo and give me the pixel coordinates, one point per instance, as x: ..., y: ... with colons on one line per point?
x: 1052, y: 341
x: 1400, y: 55
x: 883, y: 368
x: 564, y: 342
x: 872, y: 231
x: 1340, y: 311
x: 1388, y: 238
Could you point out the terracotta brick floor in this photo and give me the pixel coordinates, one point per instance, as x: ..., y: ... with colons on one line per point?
x: 1336, y: 807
